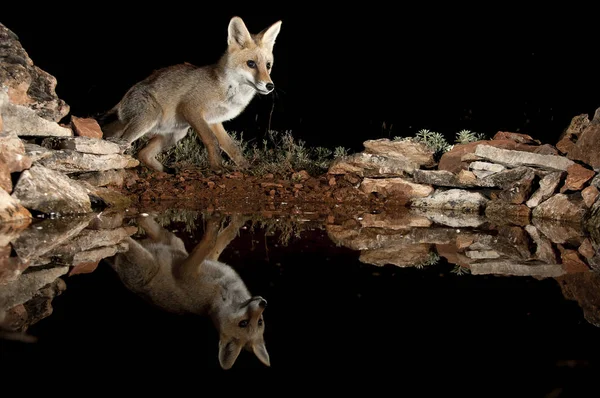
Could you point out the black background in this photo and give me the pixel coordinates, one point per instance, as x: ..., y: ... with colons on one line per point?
x: 343, y: 77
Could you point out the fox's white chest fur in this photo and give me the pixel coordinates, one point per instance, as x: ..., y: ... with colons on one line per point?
x: 237, y: 98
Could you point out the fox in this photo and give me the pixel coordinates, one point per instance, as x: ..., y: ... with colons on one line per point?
x: 172, y: 99
x: 160, y: 270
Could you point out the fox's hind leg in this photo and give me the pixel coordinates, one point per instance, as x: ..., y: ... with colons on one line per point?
x: 156, y: 145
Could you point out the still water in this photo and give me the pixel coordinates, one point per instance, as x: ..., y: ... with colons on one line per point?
x: 291, y: 290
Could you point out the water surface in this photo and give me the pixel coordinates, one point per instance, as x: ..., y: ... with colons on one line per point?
x: 349, y: 291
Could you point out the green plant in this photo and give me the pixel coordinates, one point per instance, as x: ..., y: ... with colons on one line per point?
x: 279, y: 153
x: 432, y: 259
x: 466, y: 136
x: 460, y: 270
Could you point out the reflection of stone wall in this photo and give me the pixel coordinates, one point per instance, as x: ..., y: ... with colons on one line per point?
x: 478, y: 245
x: 33, y: 260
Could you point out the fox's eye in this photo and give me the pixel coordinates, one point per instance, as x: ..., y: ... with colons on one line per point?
x: 243, y: 323
x: 251, y: 64
x: 260, y: 322
x: 268, y: 65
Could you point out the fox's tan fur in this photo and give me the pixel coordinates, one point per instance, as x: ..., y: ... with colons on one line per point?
x: 172, y: 99
x: 159, y: 269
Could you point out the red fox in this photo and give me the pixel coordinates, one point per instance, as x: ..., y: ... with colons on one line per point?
x: 173, y: 99
x: 160, y: 269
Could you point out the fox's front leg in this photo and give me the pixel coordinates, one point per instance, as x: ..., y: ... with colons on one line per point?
x: 191, y: 266
x: 231, y: 148
x: 207, y: 136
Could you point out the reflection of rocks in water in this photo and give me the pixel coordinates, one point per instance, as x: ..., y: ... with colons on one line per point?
x: 543, y: 249
x: 584, y: 288
x: 33, y: 261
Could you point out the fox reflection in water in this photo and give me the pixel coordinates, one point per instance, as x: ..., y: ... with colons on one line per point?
x: 159, y: 269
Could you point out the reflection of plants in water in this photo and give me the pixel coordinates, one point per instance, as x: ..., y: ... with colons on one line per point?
x: 433, y: 259
x: 189, y: 218
x: 460, y: 270
x: 288, y: 228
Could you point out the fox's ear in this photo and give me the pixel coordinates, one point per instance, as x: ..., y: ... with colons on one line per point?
x: 268, y: 36
x: 228, y: 353
x: 261, y: 353
x: 238, y: 35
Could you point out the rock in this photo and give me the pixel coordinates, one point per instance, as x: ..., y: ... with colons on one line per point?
x: 86, y: 127
x: 399, y: 189
x: 503, y: 213
x: 584, y: 288
x: 11, y: 268
x: 596, y: 181
x: 563, y: 207
x: 511, y: 158
x: 560, y: 232
x: 12, y: 158
x: 102, y: 178
x: 48, y: 234
x: 408, y: 151
x: 546, y: 149
x: 460, y: 155
x: 486, y: 166
x: 481, y: 254
x: 455, y: 219
x: 91, y: 239
x: 68, y: 161
x: 548, y: 185
x: 571, y: 261
x: 369, y: 165
x: 592, y: 223
x: 586, y: 147
x: 518, y: 192
x: 509, y: 267
x: 11, y: 209
x: 516, y: 137
x: 440, y: 178
x: 567, y: 139
x: 83, y: 145
x: 544, y: 250
x: 401, y: 256
x: 9, y: 231
x: 27, y: 84
x: 37, y: 152
x: 590, y: 195
x: 27, y: 285
x: 586, y: 249
x: 48, y: 191
x: 577, y: 176
x: 97, y: 254
x: 26, y: 123
x: 3, y: 103
x: 453, y: 199
x: 400, y: 221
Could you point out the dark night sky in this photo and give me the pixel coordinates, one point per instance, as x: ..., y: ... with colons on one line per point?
x: 339, y: 77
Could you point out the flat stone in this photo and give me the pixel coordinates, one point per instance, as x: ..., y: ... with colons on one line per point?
x: 26, y: 123
x: 49, y: 191
x: 511, y: 158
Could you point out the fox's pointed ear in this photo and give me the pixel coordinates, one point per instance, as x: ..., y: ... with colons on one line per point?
x: 261, y: 353
x: 268, y: 36
x: 238, y: 35
x: 228, y: 353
